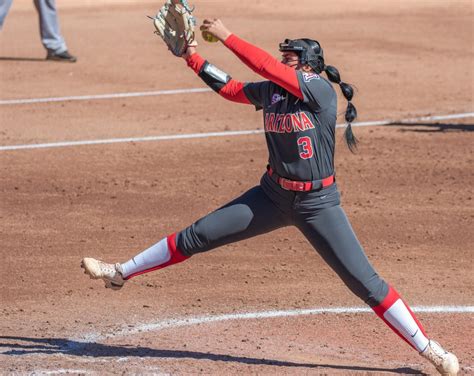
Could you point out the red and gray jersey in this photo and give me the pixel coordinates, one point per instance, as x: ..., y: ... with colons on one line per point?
x: 299, y: 110
x: 300, y: 133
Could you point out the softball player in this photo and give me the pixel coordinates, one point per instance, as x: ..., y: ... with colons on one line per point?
x: 298, y: 188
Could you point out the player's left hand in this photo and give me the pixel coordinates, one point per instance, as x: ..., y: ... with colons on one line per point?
x: 216, y: 27
x: 189, y: 51
x: 174, y: 23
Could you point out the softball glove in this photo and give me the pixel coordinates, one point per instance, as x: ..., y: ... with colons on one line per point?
x: 175, y: 24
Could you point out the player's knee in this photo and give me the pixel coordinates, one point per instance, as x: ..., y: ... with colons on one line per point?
x: 377, y: 291
x: 371, y: 289
x: 216, y: 229
x: 192, y: 240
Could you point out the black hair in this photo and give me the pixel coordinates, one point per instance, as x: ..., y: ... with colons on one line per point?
x: 351, y: 111
x: 310, y: 52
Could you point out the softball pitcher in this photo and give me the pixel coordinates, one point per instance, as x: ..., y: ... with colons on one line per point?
x: 297, y: 189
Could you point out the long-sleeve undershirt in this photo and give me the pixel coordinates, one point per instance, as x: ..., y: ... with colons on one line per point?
x: 265, y: 64
x: 260, y: 62
x: 232, y: 91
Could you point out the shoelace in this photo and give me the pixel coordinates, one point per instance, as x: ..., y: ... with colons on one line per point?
x: 108, y: 268
x: 436, y: 354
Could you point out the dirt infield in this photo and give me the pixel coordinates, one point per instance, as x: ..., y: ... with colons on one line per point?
x: 408, y: 193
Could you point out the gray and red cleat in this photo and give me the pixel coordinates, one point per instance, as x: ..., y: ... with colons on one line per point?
x: 445, y: 362
x: 111, y: 274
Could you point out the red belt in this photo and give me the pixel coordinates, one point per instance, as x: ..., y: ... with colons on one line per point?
x: 300, y: 186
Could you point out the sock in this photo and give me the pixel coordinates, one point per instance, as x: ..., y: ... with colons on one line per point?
x: 158, y: 256
x: 399, y: 317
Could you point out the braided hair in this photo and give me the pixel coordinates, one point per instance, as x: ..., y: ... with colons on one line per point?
x: 311, y: 53
x: 351, y: 111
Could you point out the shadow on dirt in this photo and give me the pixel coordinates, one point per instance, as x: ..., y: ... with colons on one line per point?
x: 12, y: 58
x: 432, y: 127
x: 19, y: 346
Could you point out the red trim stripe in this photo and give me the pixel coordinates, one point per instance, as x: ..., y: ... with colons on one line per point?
x: 176, y: 257
x: 389, y: 300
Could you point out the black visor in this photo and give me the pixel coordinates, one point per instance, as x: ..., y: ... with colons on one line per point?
x: 292, y: 45
x: 309, y: 51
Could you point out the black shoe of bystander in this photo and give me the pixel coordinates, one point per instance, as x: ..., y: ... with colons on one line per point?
x: 62, y: 56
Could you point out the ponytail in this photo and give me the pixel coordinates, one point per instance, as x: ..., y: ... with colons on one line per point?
x: 351, y: 112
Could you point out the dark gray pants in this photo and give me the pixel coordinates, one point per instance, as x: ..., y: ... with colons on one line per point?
x: 318, y: 215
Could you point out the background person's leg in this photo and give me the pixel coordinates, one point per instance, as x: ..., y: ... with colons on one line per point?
x: 49, y: 26
x: 4, y: 8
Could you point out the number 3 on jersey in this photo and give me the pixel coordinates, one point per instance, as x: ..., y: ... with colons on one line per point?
x: 305, y: 147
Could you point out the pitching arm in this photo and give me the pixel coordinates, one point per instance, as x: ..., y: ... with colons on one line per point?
x: 265, y: 64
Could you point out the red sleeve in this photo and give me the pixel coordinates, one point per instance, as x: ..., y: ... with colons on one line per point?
x: 232, y: 91
x: 195, y: 62
x: 264, y: 64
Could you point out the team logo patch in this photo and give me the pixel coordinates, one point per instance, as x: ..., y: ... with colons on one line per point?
x: 310, y: 76
x: 277, y: 98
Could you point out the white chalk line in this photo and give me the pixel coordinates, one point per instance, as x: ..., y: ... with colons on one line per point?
x: 218, y: 134
x: 103, y: 96
x: 129, y: 139
x: 76, y: 344
x: 61, y: 371
x: 129, y: 330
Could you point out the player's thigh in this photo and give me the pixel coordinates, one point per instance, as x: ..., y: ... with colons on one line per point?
x: 249, y: 215
x: 331, y: 234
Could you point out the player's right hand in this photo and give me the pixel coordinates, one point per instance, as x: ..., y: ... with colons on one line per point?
x: 215, y: 27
